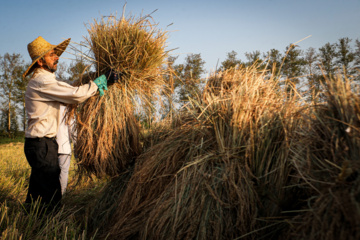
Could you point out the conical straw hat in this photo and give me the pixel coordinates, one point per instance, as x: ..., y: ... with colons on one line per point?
x: 39, y: 47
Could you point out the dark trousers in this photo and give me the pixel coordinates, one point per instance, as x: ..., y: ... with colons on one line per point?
x: 42, y: 155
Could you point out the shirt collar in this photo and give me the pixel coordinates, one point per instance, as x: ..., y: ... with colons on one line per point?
x: 43, y: 71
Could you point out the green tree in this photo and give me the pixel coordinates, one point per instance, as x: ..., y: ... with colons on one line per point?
x: 293, y: 66
x: 357, y: 59
x: 5, y: 114
x: 312, y: 72
x: 168, y: 91
x: 274, y: 61
x: 253, y: 57
x: 11, y: 67
x: 230, y: 62
x: 76, y: 69
x: 190, y: 77
x: 357, y: 53
x: 327, y: 58
x: 19, y: 94
x: 345, y: 56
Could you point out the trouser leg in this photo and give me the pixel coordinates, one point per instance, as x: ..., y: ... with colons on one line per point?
x: 44, y: 179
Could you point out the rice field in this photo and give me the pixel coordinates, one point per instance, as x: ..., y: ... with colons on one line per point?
x: 248, y: 158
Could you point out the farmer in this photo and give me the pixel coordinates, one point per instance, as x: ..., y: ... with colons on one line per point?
x: 43, y: 97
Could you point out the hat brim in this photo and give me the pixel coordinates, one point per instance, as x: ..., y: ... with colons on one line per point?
x: 59, y: 49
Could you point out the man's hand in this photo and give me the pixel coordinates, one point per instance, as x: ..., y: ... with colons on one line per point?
x: 101, y: 82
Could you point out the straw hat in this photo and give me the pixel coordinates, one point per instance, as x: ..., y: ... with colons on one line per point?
x: 39, y: 47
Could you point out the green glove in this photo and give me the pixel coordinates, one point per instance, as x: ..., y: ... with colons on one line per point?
x: 101, y: 82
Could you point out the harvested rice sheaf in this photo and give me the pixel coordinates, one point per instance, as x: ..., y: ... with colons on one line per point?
x: 222, y: 171
x: 108, y: 133
x: 133, y: 47
x: 327, y: 160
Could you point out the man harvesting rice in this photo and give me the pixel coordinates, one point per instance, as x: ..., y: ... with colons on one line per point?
x: 43, y: 97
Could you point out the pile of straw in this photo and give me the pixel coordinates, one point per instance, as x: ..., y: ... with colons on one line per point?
x: 327, y: 161
x: 221, y: 173
x: 248, y: 159
x: 108, y: 133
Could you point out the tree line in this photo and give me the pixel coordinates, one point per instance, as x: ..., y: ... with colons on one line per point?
x: 307, y: 67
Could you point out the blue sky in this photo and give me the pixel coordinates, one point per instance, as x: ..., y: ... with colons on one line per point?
x: 211, y: 28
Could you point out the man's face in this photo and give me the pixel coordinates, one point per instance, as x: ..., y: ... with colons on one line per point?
x: 50, y: 61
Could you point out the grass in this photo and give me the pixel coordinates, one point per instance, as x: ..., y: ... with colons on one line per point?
x: 4, y: 140
x: 17, y: 222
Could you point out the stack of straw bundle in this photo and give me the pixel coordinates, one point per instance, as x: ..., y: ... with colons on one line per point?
x: 222, y: 173
x: 108, y: 134
x: 327, y: 160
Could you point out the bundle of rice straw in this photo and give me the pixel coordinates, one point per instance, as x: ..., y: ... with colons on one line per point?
x: 206, y: 177
x: 108, y: 133
x: 327, y: 160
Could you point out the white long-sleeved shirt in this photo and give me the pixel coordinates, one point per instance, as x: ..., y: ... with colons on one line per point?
x: 43, y: 97
x: 64, y: 134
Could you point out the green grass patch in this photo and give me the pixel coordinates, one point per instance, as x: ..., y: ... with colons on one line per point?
x: 7, y: 140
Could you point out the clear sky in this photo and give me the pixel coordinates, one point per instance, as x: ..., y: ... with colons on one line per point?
x: 211, y: 28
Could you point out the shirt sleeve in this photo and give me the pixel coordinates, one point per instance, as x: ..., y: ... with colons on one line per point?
x: 63, y: 92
